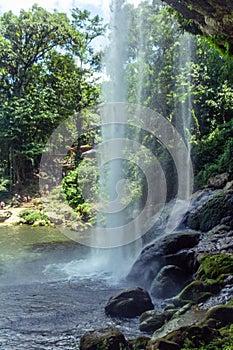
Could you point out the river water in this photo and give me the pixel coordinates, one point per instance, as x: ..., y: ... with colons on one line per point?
x: 50, y: 293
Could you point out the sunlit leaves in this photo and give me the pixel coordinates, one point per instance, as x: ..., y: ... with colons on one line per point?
x: 45, y: 76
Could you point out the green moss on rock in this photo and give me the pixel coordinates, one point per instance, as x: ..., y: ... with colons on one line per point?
x: 103, y: 339
x: 194, y: 292
x: 210, y: 277
x: 219, y: 316
x: 215, y: 267
x: 197, y: 334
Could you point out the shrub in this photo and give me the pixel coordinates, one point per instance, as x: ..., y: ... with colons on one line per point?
x: 30, y: 217
x: 213, y: 154
x: 80, y: 188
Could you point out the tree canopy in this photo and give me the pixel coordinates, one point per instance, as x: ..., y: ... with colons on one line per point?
x: 175, y: 74
x: 47, y: 65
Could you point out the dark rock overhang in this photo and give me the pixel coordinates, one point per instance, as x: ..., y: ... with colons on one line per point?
x: 211, y: 18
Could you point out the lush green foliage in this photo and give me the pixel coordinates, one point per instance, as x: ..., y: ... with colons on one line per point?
x: 3, y: 184
x: 213, y: 154
x: 32, y: 217
x: 180, y: 78
x: 80, y: 188
x: 47, y: 63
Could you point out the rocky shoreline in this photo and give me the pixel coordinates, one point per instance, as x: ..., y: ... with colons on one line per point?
x: 11, y: 214
x: 189, y: 277
x: 182, y: 283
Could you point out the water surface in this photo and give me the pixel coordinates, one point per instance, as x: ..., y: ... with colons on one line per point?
x: 52, y: 291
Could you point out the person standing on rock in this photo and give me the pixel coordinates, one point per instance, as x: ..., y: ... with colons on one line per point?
x: 2, y: 205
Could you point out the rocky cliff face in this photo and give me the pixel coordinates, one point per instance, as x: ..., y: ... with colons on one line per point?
x: 212, y: 18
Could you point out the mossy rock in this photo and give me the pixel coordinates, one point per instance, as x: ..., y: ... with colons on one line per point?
x: 138, y: 343
x: 162, y: 345
x: 219, y: 316
x: 103, y: 339
x: 210, y: 278
x: 151, y: 320
x: 197, y: 334
x: 215, y: 267
x: 34, y: 217
x: 194, y: 292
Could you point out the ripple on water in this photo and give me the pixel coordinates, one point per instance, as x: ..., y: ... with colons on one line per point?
x: 56, y: 314
x: 51, y: 294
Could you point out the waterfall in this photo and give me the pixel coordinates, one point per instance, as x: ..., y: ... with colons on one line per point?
x: 185, y: 111
x: 118, y: 252
x: 142, y: 156
x: 120, y: 240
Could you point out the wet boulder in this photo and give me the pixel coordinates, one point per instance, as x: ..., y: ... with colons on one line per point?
x: 138, y: 343
x: 162, y: 345
x: 104, y: 338
x: 166, y: 249
x: 196, y: 334
x: 152, y: 320
x: 219, y: 316
x: 213, y: 212
x: 185, y: 259
x: 129, y: 303
x: 168, y: 282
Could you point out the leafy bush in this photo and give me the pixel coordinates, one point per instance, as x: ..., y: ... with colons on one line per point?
x: 30, y: 217
x: 213, y: 154
x: 4, y: 187
x: 80, y: 187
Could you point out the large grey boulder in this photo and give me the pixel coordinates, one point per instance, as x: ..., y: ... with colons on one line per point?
x: 129, y: 303
x: 217, y: 210
x: 172, y: 249
x: 168, y: 282
x: 151, y: 320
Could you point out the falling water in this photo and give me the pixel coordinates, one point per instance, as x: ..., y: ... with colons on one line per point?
x: 185, y: 109
x: 118, y: 257
x: 183, y: 124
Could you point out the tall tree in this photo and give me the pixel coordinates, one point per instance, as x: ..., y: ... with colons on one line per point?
x: 47, y: 64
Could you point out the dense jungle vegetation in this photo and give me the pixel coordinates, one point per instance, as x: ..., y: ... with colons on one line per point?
x: 48, y: 66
